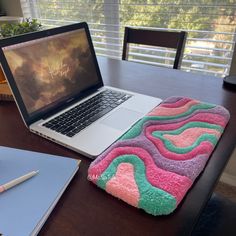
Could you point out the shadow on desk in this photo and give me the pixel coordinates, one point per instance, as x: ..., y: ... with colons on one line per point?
x: 218, y: 218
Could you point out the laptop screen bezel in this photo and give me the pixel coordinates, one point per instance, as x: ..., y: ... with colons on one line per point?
x: 41, y: 114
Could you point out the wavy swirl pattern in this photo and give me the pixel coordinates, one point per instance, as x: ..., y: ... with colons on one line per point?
x: 155, y: 163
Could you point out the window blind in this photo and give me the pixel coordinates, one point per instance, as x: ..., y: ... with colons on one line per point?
x: 211, y: 27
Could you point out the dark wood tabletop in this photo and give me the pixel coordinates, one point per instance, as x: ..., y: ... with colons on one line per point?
x: 84, y: 209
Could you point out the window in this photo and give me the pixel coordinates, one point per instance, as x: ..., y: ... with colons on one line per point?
x: 211, y: 27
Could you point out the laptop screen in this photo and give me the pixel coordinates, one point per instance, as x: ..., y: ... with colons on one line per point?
x: 51, y: 69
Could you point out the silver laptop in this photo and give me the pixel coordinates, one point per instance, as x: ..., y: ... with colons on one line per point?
x: 57, y: 85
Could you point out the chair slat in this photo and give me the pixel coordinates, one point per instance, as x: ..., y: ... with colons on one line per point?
x: 168, y: 39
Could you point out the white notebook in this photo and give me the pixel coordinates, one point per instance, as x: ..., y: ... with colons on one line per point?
x: 25, y: 207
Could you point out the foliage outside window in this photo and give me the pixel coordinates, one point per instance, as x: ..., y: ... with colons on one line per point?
x: 211, y: 26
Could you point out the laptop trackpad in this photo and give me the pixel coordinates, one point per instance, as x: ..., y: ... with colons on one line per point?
x: 122, y: 118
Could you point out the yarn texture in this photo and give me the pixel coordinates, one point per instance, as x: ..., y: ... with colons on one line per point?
x: 154, y: 164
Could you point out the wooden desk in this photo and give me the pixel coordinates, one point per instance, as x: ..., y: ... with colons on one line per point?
x: 85, y: 209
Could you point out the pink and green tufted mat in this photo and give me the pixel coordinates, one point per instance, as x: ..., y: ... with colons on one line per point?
x: 155, y: 163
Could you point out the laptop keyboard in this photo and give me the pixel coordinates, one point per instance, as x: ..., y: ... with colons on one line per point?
x: 79, y: 117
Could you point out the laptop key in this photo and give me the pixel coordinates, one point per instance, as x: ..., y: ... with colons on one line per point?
x: 60, y: 129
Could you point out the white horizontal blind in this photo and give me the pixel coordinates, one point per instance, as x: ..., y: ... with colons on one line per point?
x: 211, y: 26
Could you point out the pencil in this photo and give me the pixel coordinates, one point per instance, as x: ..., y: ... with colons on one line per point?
x: 17, y: 181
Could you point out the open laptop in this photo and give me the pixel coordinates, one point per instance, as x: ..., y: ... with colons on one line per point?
x: 57, y: 85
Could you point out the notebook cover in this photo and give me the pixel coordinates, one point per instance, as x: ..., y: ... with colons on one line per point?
x: 25, y: 207
x: 155, y: 163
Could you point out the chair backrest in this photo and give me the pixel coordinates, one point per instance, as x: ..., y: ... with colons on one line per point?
x: 167, y: 39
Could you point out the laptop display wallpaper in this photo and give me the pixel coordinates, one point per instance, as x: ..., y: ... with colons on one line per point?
x: 49, y: 69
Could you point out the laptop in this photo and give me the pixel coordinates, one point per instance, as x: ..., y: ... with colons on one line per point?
x: 58, y: 88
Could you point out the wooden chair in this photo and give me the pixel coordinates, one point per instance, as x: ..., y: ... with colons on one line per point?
x: 167, y: 39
